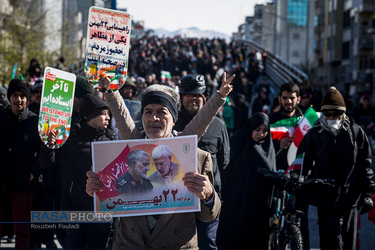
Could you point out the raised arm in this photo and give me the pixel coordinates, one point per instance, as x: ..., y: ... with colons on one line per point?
x: 199, y: 124
x: 124, y: 121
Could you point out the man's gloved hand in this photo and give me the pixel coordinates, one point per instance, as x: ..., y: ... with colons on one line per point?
x: 366, y: 205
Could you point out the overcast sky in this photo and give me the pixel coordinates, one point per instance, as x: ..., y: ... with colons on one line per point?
x: 220, y: 15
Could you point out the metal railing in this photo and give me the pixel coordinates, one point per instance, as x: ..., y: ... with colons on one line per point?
x: 279, y: 70
x: 77, y: 68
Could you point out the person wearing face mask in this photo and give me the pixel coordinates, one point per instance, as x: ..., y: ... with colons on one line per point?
x: 245, y: 212
x: 336, y: 148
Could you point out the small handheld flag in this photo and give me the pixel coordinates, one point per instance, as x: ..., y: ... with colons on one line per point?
x: 304, y: 125
x: 283, y: 128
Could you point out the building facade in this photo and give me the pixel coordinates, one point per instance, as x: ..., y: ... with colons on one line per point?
x: 331, y: 40
x: 344, y: 36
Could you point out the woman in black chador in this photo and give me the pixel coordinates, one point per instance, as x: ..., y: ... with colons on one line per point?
x: 246, y: 193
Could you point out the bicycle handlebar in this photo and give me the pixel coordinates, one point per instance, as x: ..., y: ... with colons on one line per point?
x: 269, y: 172
x: 280, y: 176
x: 325, y: 181
x: 274, y: 174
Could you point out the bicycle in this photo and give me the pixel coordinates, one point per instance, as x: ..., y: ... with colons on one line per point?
x: 286, y: 219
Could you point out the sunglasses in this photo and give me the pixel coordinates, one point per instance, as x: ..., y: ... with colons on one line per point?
x: 334, y: 114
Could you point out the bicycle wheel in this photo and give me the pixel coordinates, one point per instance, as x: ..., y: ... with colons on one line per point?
x: 273, y: 239
x: 291, y: 238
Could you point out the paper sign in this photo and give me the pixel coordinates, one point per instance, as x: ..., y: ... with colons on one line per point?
x: 56, y: 105
x: 143, y: 177
x: 107, y: 47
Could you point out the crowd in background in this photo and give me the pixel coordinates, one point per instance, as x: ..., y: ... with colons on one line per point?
x: 149, y: 56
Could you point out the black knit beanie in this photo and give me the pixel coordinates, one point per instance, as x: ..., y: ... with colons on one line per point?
x: 333, y: 100
x: 91, y: 107
x: 83, y: 87
x: 18, y: 85
x: 162, y: 98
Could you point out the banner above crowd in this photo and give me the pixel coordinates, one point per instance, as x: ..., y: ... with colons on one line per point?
x: 107, y: 46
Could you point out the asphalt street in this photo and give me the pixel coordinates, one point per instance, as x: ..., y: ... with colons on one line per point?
x: 366, y: 232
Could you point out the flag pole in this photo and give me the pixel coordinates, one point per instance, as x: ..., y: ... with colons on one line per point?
x: 291, y: 136
x: 301, y: 178
x: 278, y: 152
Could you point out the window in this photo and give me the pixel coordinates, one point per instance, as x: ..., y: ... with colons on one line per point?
x: 296, y: 36
x: 346, y: 19
x: 297, y: 13
x: 295, y: 54
x: 345, y: 50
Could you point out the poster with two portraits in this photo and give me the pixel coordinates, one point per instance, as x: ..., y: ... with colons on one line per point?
x: 144, y: 177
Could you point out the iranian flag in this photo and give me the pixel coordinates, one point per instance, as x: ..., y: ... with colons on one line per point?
x: 283, y: 128
x: 165, y: 75
x: 296, y: 164
x: 114, y: 82
x: 307, y: 121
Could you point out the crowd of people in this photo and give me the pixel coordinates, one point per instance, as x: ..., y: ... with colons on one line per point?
x: 234, y: 115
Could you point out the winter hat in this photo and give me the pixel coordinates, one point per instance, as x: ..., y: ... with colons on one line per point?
x: 91, y: 107
x: 333, y: 100
x: 140, y: 79
x: 162, y: 98
x: 129, y: 82
x: 38, y: 84
x: 83, y: 87
x: 193, y: 84
x: 3, y: 90
x: 18, y: 85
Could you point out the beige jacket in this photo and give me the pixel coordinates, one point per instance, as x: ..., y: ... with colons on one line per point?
x: 172, y: 231
x: 128, y: 130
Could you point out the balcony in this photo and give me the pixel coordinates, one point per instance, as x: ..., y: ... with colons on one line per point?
x: 365, y: 5
x: 366, y: 42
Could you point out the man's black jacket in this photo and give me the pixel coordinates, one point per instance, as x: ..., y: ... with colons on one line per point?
x: 76, y: 161
x: 19, y: 149
x: 215, y: 141
x: 346, y: 158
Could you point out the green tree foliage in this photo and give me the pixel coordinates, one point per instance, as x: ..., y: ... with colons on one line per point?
x: 23, y: 37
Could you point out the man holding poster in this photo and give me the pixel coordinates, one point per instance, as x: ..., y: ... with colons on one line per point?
x: 159, y: 114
